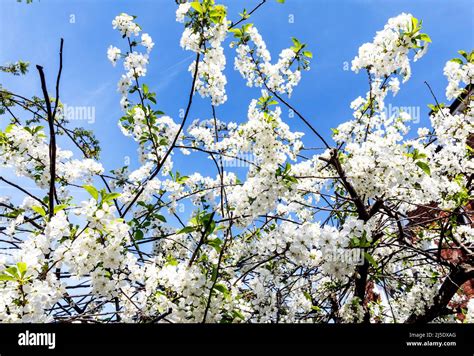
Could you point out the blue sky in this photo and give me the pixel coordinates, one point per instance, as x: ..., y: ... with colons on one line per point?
x: 333, y: 31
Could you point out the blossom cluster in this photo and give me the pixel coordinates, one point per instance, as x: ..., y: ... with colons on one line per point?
x: 135, y: 63
x: 388, y: 53
x: 253, y: 61
x: 288, y: 238
x: 210, y: 78
x: 26, y: 150
x: 456, y: 71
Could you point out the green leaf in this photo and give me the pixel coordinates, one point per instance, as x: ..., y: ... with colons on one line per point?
x: 6, y: 277
x: 22, y: 267
x: 236, y: 313
x: 297, y: 44
x: 160, y: 217
x: 138, y: 235
x: 425, y: 37
x: 197, y: 6
x: 39, y: 210
x: 424, y: 167
x: 220, y: 227
x: 416, y: 155
x: 182, y: 180
x: 244, y: 14
x: 92, y: 191
x: 246, y: 27
x: 371, y: 260
x: 457, y: 60
x: 215, y: 243
x: 414, y: 23
x: 9, y: 128
x: 221, y: 288
x: 186, y: 230
x: 13, y: 271
x: 111, y: 196
x: 237, y: 32
x: 210, y: 227
x: 58, y: 208
x: 463, y: 53
x: 308, y: 54
x: 217, y: 13
x: 170, y: 260
x: 214, y: 273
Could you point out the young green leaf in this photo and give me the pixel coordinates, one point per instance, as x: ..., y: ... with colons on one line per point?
x: 22, y: 267
x: 39, y: 209
x: 371, y: 260
x: 424, y: 167
x: 92, y: 191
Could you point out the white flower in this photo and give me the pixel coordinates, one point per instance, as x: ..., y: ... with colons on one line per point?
x: 457, y: 73
x: 113, y: 54
x: 124, y: 23
x: 470, y: 311
x: 389, y: 50
x: 394, y: 85
x: 136, y: 63
x: 257, y: 69
x: 182, y: 11
x: 211, y: 80
x: 147, y: 42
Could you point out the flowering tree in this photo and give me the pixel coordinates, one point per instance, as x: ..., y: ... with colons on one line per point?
x: 336, y: 235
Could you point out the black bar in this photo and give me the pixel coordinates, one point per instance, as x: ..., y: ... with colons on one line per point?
x: 374, y: 339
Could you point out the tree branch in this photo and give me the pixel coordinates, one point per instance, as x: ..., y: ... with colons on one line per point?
x: 461, y: 274
x: 51, y: 116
